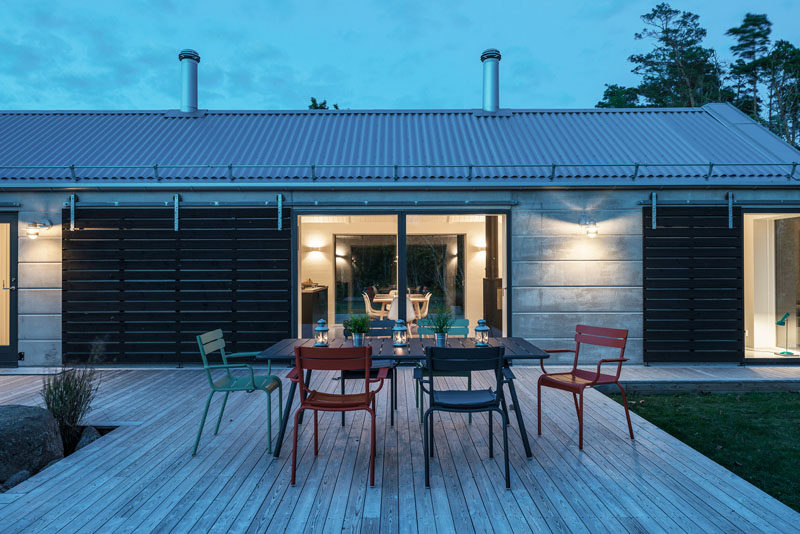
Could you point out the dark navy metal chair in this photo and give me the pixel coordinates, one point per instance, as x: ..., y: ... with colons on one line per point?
x: 448, y: 360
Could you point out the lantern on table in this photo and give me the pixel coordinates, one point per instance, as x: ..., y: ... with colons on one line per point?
x: 400, y: 333
x: 481, y: 334
x: 321, y: 334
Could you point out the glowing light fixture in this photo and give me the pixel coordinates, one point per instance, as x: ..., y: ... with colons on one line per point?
x: 33, y: 228
x: 400, y: 333
x: 321, y: 334
x: 590, y: 227
x: 481, y: 334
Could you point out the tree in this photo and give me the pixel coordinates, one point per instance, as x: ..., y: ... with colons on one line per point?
x: 619, y: 96
x: 320, y: 105
x: 751, y: 48
x: 678, y: 71
x: 782, y: 72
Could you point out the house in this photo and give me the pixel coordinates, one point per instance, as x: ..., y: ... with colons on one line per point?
x: 123, y: 234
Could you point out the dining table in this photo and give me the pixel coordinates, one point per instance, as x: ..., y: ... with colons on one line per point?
x: 386, y: 300
x: 383, y: 348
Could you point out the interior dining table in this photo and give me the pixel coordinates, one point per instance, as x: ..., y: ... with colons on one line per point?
x: 383, y: 349
x: 385, y: 300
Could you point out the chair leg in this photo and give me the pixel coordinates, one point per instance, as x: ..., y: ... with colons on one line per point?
x: 505, y: 451
x: 341, y: 380
x: 372, y: 450
x: 430, y: 433
x: 539, y: 407
x: 294, y: 444
x: 580, y: 424
x: 575, y: 400
x: 627, y: 413
x: 221, y: 410
x: 469, y: 387
x: 491, y: 437
x: 269, y: 423
x: 393, y: 384
x: 202, y: 422
x: 425, y: 438
x: 316, y: 435
x: 416, y: 394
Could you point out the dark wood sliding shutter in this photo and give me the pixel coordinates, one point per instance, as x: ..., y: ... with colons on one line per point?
x: 693, y: 285
x: 140, y: 292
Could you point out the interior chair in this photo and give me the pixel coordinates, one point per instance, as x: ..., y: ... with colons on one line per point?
x: 460, y: 327
x: 576, y: 380
x: 424, y: 306
x: 335, y: 359
x: 376, y: 329
x: 372, y: 312
x: 226, y: 382
x: 439, y: 360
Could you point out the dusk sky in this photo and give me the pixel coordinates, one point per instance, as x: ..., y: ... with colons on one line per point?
x: 382, y: 54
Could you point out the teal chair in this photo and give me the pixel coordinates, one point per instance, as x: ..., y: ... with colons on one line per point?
x: 227, y: 382
x: 460, y: 327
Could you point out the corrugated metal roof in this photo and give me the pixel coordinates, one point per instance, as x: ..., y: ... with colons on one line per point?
x: 389, y: 146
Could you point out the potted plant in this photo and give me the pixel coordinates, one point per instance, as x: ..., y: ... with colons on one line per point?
x: 359, y: 327
x: 440, y: 322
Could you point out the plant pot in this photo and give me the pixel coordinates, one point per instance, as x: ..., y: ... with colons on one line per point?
x: 441, y: 340
x: 358, y: 340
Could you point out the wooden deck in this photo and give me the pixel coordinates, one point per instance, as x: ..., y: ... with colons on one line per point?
x: 142, y: 478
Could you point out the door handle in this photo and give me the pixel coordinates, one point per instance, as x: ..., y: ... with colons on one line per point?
x: 9, y: 288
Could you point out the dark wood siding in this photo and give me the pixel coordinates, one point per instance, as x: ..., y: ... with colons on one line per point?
x: 693, y: 285
x: 143, y: 291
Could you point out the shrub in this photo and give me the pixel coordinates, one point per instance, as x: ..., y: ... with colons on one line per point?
x: 357, y: 324
x: 68, y: 395
x: 441, y: 321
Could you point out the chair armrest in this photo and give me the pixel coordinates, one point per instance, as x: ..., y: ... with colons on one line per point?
x: 418, y: 373
x: 383, y: 372
x: 237, y: 366
x: 241, y: 355
x: 552, y: 351
x: 508, y: 374
x: 293, y: 375
x: 611, y: 360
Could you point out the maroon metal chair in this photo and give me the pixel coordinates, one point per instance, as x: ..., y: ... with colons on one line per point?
x: 576, y: 380
x: 330, y: 359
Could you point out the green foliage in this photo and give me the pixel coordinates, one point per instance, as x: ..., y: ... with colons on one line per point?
x: 441, y: 321
x: 755, y: 435
x: 320, y: 105
x: 751, y: 48
x: 68, y: 396
x: 619, y: 96
x: 357, y: 324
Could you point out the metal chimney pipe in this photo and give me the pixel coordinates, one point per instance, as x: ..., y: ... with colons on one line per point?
x: 189, y: 60
x: 491, y: 79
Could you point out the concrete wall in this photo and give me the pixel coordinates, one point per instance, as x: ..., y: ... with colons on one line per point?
x: 560, y: 276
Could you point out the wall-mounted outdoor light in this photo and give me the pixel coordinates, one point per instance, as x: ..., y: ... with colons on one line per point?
x: 321, y: 334
x: 400, y: 333
x: 481, y: 334
x: 589, y: 226
x: 34, y: 228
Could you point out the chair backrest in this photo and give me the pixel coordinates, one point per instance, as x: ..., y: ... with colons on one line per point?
x: 447, y: 359
x: 377, y: 328
x: 424, y: 328
x: 425, y: 305
x: 368, y: 304
x: 333, y: 359
x: 460, y: 328
x: 210, y: 342
x: 601, y: 337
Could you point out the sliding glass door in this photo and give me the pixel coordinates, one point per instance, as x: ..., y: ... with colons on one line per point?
x: 8, y: 293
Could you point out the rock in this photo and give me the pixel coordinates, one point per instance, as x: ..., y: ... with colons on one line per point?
x: 88, y: 435
x: 17, y: 478
x: 29, y: 440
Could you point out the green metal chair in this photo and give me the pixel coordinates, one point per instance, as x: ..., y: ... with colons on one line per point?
x: 460, y: 327
x: 213, y: 341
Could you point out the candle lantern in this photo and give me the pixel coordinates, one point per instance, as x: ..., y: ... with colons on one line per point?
x: 400, y: 333
x: 482, y: 334
x: 321, y: 334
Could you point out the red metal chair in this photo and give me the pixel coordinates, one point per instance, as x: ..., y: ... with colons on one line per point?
x: 576, y: 380
x: 330, y: 359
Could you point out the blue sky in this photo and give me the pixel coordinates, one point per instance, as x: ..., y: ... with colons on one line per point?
x: 275, y: 54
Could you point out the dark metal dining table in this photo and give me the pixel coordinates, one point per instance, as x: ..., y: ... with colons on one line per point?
x: 383, y: 349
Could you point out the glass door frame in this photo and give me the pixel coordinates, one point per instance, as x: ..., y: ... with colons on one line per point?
x: 402, y: 282
x: 789, y: 208
x: 9, y: 354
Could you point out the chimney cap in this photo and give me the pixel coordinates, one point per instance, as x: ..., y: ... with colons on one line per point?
x: 490, y: 53
x: 188, y: 53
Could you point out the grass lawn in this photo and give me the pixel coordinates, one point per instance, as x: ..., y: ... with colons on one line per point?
x: 755, y: 435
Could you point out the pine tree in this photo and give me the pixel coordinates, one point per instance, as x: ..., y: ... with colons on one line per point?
x: 752, y: 47
x: 619, y: 96
x: 320, y: 105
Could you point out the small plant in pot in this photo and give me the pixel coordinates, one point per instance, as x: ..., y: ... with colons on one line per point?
x: 359, y: 327
x: 440, y: 322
